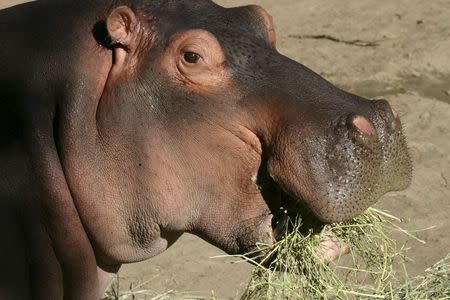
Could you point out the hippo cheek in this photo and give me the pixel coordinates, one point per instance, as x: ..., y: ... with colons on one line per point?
x: 342, y: 171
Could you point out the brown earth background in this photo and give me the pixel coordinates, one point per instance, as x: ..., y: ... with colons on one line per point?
x: 409, y: 65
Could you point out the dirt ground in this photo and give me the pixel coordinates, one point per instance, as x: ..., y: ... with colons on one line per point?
x: 407, y: 61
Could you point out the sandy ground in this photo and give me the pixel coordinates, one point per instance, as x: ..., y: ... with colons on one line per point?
x: 409, y: 66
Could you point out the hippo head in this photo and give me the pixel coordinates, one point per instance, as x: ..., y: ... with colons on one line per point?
x: 206, y: 128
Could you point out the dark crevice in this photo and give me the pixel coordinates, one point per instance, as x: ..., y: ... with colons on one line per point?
x: 356, y: 42
x: 101, y: 35
x: 283, y: 205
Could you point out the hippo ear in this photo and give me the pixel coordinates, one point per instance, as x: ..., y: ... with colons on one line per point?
x: 122, y: 26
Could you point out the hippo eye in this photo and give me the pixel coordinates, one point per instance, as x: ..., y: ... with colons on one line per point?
x: 191, y: 57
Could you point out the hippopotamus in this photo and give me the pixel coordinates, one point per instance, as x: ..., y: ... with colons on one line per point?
x: 125, y: 123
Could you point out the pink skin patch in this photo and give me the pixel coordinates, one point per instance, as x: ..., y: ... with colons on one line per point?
x: 363, y: 125
x: 394, y: 113
x: 396, y: 121
x: 330, y: 247
x: 104, y: 279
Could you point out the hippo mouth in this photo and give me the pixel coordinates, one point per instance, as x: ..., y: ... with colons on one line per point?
x: 283, y: 221
x: 337, y: 176
x: 344, y: 179
x: 290, y: 209
x: 285, y: 207
x: 313, y: 217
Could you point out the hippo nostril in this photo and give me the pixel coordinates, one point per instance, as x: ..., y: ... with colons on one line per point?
x: 360, y: 123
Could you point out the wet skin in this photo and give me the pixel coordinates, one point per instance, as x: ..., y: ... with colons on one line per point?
x: 124, y: 125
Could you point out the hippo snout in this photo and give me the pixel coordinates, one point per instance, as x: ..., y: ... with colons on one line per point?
x: 340, y: 170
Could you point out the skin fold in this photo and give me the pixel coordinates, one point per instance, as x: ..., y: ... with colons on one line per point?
x: 124, y: 124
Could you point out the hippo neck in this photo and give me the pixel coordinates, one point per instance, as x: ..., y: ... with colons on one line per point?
x: 79, y: 144
x: 96, y: 151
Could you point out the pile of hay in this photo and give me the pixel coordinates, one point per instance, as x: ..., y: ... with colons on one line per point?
x: 297, y: 272
x: 434, y: 283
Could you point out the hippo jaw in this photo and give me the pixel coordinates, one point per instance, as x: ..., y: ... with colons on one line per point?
x: 347, y: 169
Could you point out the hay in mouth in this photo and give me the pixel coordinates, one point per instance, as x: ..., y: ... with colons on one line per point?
x: 292, y: 268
